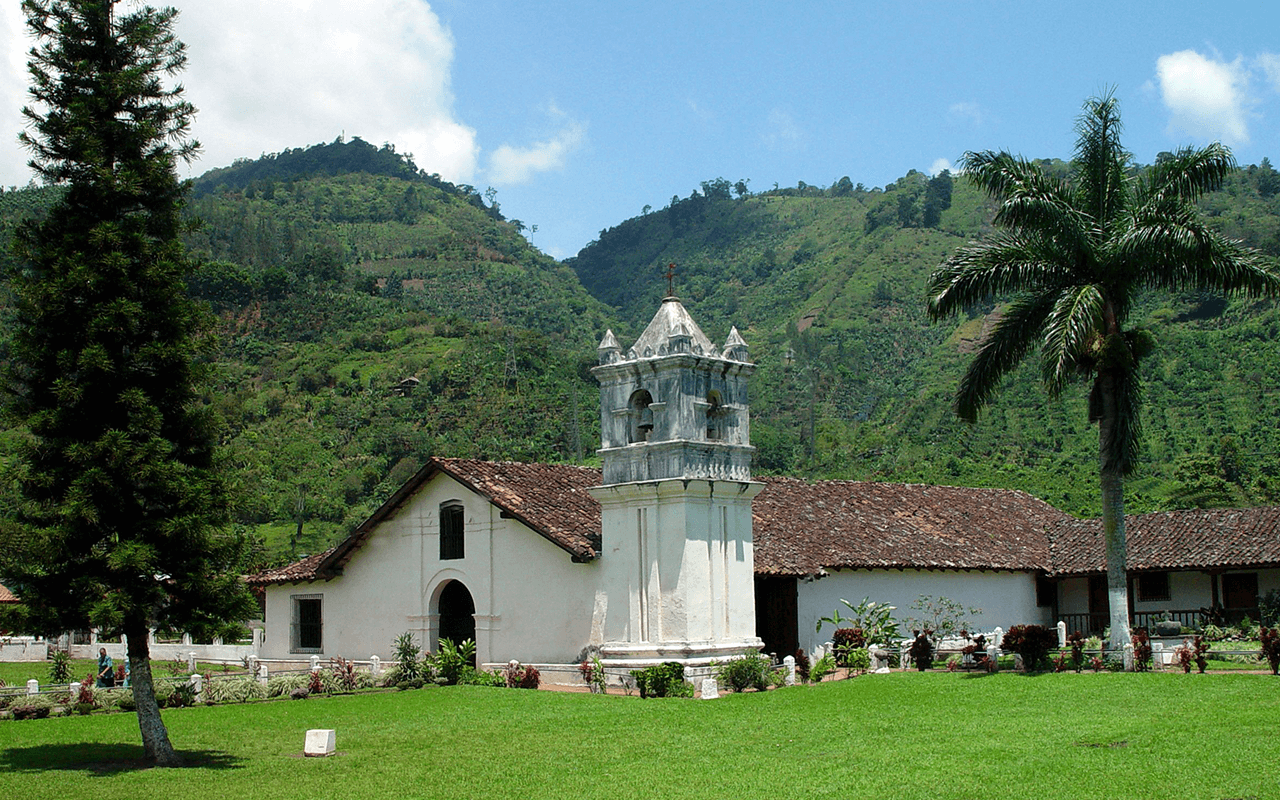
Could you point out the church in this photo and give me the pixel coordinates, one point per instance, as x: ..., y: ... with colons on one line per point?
x: 673, y: 551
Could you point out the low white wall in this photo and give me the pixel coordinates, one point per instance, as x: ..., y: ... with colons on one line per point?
x: 1006, y: 598
x: 23, y: 648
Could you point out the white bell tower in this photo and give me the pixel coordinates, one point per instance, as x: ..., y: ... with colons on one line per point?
x: 678, y: 570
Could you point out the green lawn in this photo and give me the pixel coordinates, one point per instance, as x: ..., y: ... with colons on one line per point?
x: 904, y: 735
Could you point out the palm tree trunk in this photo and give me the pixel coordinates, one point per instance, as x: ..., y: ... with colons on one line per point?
x: 155, y: 737
x: 1112, y: 478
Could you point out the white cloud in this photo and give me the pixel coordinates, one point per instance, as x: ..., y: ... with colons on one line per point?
x: 266, y: 76
x: 941, y: 164
x: 1205, y: 97
x: 13, y: 94
x: 511, y: 165
x: 1269, y: 63
x: 782, y: 132
x: 965, y: 113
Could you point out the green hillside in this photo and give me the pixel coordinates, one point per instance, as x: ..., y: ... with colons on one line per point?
x: 370, y: 314
x: 827, y: 285
x: 337, y: 273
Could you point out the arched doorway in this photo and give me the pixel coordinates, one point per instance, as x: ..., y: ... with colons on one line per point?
x: 457, y: 614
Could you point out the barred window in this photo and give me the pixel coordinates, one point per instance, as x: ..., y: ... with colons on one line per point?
x: 307, y: 628
x: 1153, y: 586
x: 452, y: 544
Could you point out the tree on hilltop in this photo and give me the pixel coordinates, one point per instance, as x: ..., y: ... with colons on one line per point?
x: 1074, y: 254
x: 122, y: 519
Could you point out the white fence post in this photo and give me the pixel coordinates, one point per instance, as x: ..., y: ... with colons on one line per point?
x: 197, y: 685
x: 790, y: 663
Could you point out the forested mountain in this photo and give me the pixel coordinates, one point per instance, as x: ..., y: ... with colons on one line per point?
x: 827, y: 285
x: 369, y: 314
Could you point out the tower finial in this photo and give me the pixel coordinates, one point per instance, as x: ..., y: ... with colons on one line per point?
x: 671, y: 280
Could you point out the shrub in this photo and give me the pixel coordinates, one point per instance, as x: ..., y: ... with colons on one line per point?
x: 1141, y: 650
x: 921, y: 651
x: 860, y: 660
x: 407, y: 652
x: 315, y: 683
x: 844, y: 641
x: 752, y: 671
x: 1270, y: 638
x: 36, y: 706
x: 1076, y: 641
x: 59, y: 667
x: 593, y: 675
x: 452, y: 660
x: 516, y: 676
x: 663, y: 680
x: 470, y: 676
x: 281, y: 685
x: 802, y: 665
x: 234, y: 690
x: 1032, y: 642
x: 344, y: 673
x: 822, y: 668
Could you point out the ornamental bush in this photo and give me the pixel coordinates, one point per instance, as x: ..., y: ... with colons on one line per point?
x: 752, y: 671
x: 663, y: 680
x: 1033, y: 643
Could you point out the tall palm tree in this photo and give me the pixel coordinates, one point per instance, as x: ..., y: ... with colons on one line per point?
x: 1072, y: 256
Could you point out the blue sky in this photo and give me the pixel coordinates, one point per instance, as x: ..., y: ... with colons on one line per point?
x: 582, y: 113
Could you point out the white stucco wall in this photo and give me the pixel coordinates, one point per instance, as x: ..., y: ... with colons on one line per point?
x: 532, y: 602
x: 1006, y: 598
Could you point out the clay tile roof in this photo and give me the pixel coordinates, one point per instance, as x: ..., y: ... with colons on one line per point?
x: 550, y: 499
x: 7, y: 596
x: 805, y: 528
x: 1199, y: 539
x: 304, y: 570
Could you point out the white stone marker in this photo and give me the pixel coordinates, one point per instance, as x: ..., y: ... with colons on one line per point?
x: 710, y: 689
x: 320, y: 742
x: 262, y: 674
x: 33, y: 686
x: 1062, y: 634
x: 74, y: 691
x: 197, y: 684
x: 191, y: 661
x: 315, y: 663
x: 997, y: 638
x: 1128, y: 658
x: 790, y: 663
x: 375, y: 666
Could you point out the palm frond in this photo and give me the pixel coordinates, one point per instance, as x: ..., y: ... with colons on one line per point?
x: 1180, y: 252
x: 1076, y: 320
x: 1013, y: 337
x: 1005, y: 264
x: 1102, y: 190
x: 1190, y: 174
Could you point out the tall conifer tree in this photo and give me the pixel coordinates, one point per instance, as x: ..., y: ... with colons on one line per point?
x: 122, y: 524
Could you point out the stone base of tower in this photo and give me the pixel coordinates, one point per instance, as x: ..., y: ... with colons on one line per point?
x: 627, y: 655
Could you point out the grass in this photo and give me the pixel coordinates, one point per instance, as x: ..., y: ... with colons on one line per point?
x: 905, y: 735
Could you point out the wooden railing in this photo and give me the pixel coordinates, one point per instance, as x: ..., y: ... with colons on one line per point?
x: 1095, y: 624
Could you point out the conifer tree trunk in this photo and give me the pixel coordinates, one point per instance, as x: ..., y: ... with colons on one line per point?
x: 155, y: 737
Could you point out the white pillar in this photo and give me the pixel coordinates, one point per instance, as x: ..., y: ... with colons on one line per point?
x: 33, y: 686
x: 790, y: 663
x: 253, y: 664
x: 998, y: 637
x: 375, y: 666
x: 74, y: 691
x: 1062, y: 634
x: 197, y: 685
x: 191, y: 661
x: 315, y: 663
x: 257, y: 640
x: 262, y: 674
x: 993, y: 653
x: 186, y: 639
x: 1157, y: 655
x: 1128, y: 657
